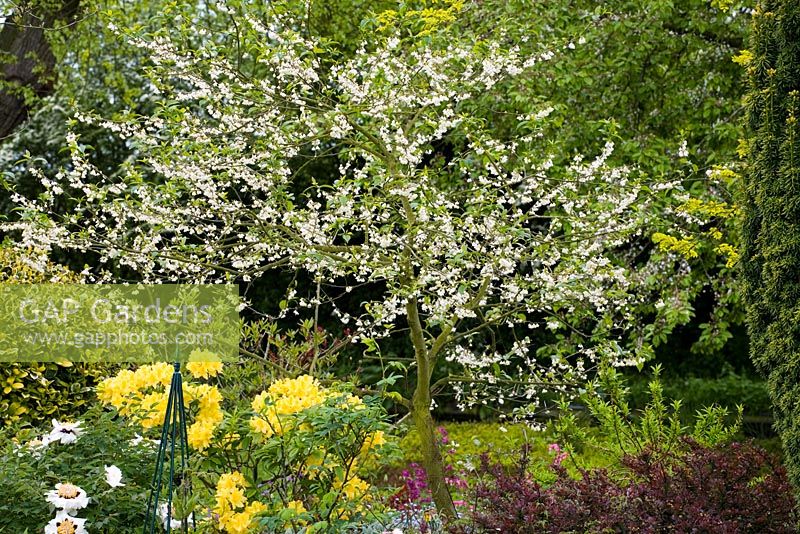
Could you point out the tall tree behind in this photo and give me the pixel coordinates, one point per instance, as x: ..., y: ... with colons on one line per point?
x: 26, y: 60
x: 772, y: 224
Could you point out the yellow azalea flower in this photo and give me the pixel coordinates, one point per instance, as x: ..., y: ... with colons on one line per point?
x: 285, y: 397
x: 290, y: 405
x: 256, y: 507
x: 354, y: 488
x: 238, y: 523
x: 211, y: 414
x: 192, y: 392
x: 210, y: 396
x: 375, y: 440
x: 236, y: 498
x: 230, y: 498
x: 305, y: 385
x: 199, y: 434
x: 152, y: 408
x: 260, y: 401
x: 204, y: 369
x: 296, y: 506
x: 260, y: 425
x: 378, y: 438
x: 153, y: 375
x: 116, y: 390
x: 231, y: 480
x: 200, y: 390
x: 354, y: 402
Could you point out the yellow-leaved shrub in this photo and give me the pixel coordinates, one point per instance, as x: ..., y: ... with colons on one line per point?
x: 35, y: 392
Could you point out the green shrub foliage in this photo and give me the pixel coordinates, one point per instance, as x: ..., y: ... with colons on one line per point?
x: 772, y: 225
x: 697, y: 393
x: 36, y: 392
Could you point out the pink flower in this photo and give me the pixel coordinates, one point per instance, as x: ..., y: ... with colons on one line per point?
x: 560, y: 455
x: 445, y: 438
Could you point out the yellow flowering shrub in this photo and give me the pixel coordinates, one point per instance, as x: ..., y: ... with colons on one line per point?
x: 142, y: 395
x: 314, y: 444
x: 235, y: 514
x: 203, y: 364
x: 204, y: 369
x: 297, y: 455
x: 273, y: 408
x: 302, y: 415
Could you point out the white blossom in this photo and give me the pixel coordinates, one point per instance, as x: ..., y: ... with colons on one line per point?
x: 63, y: 522
x: 67, y: 497
x: 63, y: 433
x: 494, y: 237
x: 113, y: 476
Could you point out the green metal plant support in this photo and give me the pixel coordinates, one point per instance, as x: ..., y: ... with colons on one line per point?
x: 173, y: 452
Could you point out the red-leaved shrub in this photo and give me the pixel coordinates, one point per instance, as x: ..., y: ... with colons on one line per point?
x: 738, y: 488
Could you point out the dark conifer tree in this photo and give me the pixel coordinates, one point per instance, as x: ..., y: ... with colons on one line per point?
x: 771, y: 255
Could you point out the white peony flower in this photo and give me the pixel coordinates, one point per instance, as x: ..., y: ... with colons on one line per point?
x: 162, y: 513
x: 113, y: 476
x: 67, y: 497
x: 63, y: 523
x: 64, y: 433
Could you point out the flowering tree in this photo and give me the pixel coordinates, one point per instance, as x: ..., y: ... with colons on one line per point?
x: 467, y: 234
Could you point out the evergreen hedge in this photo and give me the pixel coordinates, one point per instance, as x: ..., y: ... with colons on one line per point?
x: 771, y: 248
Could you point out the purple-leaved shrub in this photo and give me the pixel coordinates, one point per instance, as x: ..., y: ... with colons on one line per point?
x: 735, y: 488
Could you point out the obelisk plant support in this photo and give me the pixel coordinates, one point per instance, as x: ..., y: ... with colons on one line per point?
x: 173, y: 456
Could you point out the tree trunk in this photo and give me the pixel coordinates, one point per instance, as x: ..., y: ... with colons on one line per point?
x: 29, y: 65
x: 421, y: 414
x: 431, y: 455
x: 771, y: 247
